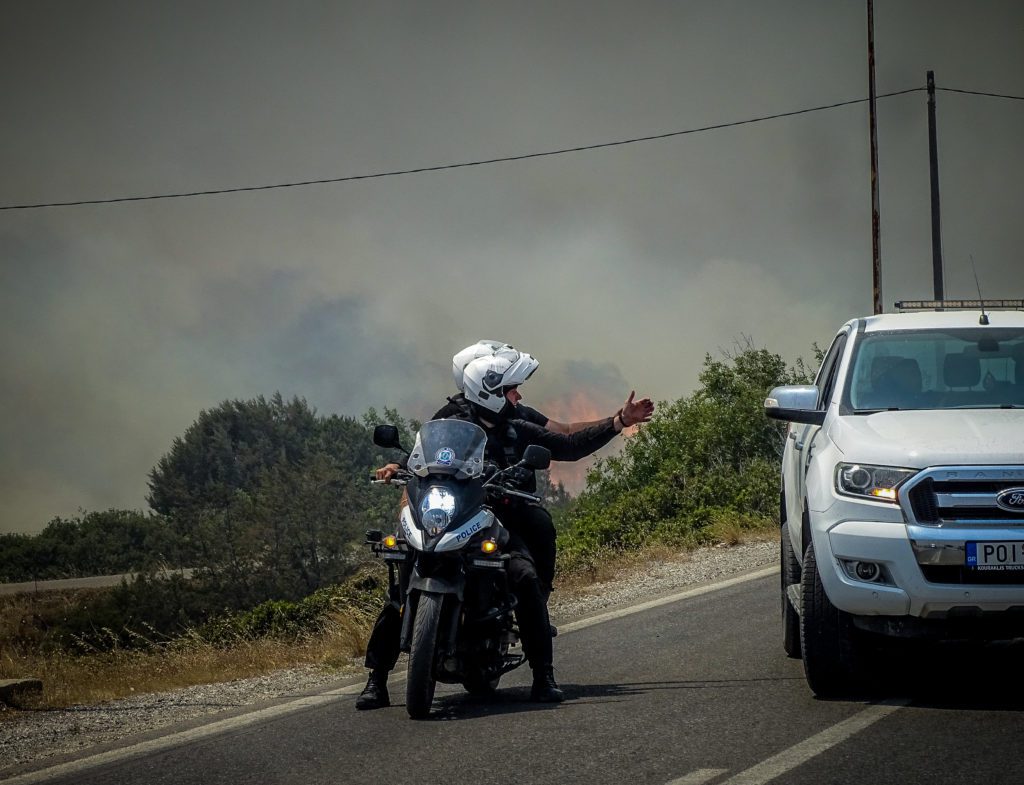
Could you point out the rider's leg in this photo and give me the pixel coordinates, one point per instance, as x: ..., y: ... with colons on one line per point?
x: 533, y: 621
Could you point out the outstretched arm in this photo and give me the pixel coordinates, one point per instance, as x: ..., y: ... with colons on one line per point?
x: 571, y: 446
x: 632, y: 413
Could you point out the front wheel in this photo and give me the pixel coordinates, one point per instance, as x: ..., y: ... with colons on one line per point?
x: 419, y: 688
x: 832, y: 652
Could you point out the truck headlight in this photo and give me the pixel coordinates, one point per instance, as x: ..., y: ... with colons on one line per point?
x: 878, y: 483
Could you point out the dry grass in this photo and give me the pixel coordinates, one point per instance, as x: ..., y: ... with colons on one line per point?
x: 619, y: 564
x: 92, y: 678
x: 735, y: 530
x: 23, y: 616
x: 616, y: 564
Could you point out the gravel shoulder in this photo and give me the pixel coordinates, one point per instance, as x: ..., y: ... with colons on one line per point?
x: 34, y: 735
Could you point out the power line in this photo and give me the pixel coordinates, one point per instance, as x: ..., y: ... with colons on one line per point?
x: 978, y: 92
x: 461, y: 165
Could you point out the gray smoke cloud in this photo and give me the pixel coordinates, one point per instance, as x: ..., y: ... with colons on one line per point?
x: 618, y: 268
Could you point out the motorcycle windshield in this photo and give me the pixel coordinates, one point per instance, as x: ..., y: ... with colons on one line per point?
x: 450, y: 447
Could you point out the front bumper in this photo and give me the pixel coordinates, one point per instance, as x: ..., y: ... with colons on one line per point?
x: 901, y: 550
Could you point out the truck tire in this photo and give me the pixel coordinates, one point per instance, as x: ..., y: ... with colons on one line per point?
x: 830, y: 648
x: 419, y: 688
x: 790, y: 571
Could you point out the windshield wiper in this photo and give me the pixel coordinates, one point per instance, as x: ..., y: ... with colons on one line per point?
x: 876, y: 411
x: 989, y: 406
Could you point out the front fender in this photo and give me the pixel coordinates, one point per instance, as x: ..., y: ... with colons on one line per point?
x: 431, y: 585
x: 449, y: 584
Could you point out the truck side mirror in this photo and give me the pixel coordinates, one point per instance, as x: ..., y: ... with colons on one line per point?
x: 794, y: 403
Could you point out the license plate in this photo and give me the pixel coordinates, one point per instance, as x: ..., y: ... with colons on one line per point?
x: 995, y: 555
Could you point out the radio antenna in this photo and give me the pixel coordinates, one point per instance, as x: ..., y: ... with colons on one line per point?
x: 984, y: 317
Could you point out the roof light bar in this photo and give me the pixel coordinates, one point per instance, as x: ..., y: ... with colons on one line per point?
x: 958, y: 305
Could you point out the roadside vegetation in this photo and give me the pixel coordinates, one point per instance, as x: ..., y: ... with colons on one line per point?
x: 267, y: 503
x: 704, y: 470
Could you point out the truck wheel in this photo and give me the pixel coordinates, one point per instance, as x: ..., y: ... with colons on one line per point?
x: 831, y: 651
x: 790, y: 571
x: 419, y: 689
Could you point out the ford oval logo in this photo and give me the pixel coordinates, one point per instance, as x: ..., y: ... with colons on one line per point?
x: 1012, y: 499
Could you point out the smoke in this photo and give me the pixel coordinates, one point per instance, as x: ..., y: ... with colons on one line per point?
x: 618, y: 268
x: 587, y: 392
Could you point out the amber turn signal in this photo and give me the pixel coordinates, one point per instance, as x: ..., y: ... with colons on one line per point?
x: 390, y: 541
x: 488, y: 546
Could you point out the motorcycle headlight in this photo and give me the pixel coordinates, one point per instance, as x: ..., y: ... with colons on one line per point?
x: 878, y: 483
x: 437, y: 510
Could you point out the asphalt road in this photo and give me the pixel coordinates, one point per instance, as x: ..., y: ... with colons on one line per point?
x: 93, y: 582
x: 694, y: 691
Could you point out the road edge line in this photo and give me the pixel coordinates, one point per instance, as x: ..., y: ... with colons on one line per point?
x: 667, y: 600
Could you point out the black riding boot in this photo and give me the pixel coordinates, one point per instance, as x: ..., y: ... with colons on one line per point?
x: 545, y: 690
x: 375, y: 693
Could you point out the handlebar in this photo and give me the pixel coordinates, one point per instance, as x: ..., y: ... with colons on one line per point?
x: 400, y: 478
x: 493, y: 484
x: 521, y: 494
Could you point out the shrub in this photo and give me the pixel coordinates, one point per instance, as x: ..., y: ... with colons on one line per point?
x: 705, y: 468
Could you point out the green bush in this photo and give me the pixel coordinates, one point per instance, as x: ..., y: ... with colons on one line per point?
x: 361, y: 596
x: 153, y: 611
x: 705, y: 464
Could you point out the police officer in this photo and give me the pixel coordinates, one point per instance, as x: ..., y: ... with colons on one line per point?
x: 489, y: 400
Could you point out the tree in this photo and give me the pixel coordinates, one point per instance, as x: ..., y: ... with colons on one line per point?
x: 270, y: 498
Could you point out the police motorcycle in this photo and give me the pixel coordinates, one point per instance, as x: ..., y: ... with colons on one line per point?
x: 446, y: 564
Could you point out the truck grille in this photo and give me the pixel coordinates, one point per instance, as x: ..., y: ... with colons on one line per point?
x: 962, y: 495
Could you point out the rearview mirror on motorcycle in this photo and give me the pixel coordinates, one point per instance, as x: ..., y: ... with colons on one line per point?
x: 387, y: 436
x: 536, y: 457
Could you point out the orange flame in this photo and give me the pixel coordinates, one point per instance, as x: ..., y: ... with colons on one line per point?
x: 577, y: 407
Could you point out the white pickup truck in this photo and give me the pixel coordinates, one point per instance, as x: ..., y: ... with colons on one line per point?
x: 903, y: 489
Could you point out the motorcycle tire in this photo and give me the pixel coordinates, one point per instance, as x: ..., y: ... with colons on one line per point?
x: 419, y: 688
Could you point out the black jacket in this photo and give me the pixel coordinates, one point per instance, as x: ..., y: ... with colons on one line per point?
x: 507, y: 441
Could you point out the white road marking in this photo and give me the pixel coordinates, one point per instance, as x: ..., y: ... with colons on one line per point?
x: 323, y: 698
x: 698, y: 777
x: 182, y: 737
x: 799, y: 753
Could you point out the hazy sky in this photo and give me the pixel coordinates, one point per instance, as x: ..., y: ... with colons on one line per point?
x: 616, y: 267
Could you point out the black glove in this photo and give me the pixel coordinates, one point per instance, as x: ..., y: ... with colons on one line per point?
x: 518, y: 476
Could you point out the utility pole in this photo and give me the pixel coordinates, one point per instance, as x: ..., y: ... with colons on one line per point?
x: 933, y: 162
x: 876, y: 250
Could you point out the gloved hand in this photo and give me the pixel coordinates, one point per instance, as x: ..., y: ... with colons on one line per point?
x: 518, y: 476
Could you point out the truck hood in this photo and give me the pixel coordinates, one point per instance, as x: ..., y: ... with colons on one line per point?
x: 916, y: 439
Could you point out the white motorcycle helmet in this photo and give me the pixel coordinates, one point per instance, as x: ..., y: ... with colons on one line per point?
x: 486, y: 378
x: 466, y: 356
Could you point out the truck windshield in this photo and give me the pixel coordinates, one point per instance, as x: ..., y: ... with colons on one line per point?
x: 937, y: 369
